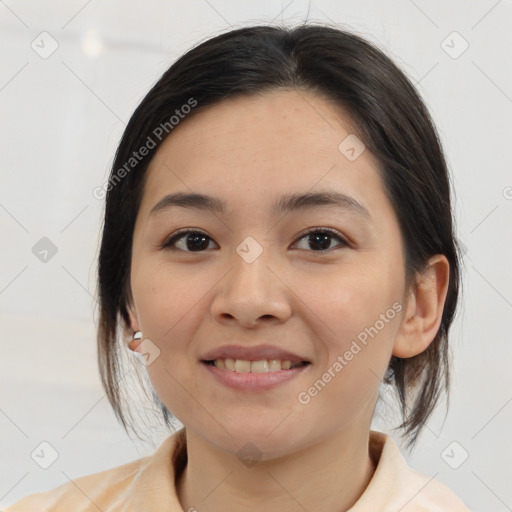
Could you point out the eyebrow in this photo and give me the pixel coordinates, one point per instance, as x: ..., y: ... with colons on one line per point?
x: 285, y: 203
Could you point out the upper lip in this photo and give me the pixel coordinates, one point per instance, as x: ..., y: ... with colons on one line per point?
x: 256, y: 353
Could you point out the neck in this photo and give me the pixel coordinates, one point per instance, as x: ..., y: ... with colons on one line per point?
x: 333, y: 472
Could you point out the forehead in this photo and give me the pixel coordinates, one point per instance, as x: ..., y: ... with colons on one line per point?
x: 253, y: 149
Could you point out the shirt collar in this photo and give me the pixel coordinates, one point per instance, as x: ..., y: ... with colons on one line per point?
x: 393, y: 483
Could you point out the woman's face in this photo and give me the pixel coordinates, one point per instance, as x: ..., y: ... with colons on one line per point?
x: 256, y: 278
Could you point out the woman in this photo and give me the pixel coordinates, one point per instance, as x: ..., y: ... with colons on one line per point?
x: 277, y: 243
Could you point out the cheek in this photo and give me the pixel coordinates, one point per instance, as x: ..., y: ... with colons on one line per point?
x: 345, y: 302
x: 170, y: 311
x: 355, y: 317
x: 168, y: 301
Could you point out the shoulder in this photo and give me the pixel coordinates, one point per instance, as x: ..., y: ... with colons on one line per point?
x: 144, y: 484
x: 432, y: 495
x: 400, y: 487
x: 98, y: 491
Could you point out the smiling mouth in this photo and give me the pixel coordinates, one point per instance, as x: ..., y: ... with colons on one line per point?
x: 260, y: 366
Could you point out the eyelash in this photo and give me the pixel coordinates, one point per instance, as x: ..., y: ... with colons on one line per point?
x: 167, y: 245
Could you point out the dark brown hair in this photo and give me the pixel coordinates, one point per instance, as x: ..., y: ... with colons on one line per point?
x: 389, y: 117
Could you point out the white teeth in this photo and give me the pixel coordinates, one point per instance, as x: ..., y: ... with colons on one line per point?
x: 242, y: 366
x: 219, y: 363
x: 274, y: 365
x: 261, y: 366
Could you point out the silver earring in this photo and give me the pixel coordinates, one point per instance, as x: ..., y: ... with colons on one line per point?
x: 135, y: 342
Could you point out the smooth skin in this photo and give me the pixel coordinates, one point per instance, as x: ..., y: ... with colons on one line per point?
x: 248, y: 151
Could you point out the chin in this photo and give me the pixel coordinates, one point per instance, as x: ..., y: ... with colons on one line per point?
x: 257, y: 437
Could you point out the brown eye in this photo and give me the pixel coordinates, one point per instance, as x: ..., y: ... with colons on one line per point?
x: 190, y: 241
x: 320, y: 239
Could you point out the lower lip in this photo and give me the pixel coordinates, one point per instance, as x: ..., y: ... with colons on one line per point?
x: 247, y: 381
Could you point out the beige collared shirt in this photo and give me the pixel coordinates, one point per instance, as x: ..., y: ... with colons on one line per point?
x: 148, y: 485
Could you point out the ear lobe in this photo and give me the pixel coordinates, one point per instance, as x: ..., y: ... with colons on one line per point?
x: 424, y: 309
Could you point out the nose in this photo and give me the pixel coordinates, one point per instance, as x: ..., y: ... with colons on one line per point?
x: 252, y: 294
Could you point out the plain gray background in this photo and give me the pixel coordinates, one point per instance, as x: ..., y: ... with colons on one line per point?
x: 62, y: 116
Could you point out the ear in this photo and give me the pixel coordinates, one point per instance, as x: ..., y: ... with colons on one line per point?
x: 424, y: 309
x: 134, y: 321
